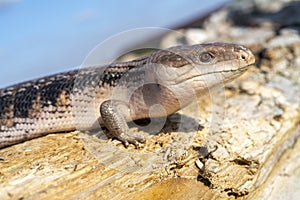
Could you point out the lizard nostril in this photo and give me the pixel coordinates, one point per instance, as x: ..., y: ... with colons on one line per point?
x: 243, y: 56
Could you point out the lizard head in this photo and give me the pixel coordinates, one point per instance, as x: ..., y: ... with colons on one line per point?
x: 201, y: 66
x: 186, y: 72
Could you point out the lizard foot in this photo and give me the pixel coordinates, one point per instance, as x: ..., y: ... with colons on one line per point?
x: 131, y: 138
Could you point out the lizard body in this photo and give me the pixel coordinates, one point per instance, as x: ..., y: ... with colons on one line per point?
x: 92, y: 97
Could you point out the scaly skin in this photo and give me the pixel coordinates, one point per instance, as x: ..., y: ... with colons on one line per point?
x: 91, y: 97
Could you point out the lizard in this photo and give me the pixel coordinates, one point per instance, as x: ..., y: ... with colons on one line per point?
x: 116, y: 93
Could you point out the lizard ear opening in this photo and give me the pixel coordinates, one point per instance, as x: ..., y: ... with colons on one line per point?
x: 171, y: 59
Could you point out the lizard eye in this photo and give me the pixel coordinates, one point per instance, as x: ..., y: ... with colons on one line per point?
x: 206, y: 57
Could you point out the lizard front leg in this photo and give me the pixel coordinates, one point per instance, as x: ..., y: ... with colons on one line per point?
x: 114, y: 120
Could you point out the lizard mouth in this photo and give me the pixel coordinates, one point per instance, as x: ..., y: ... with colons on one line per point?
x: 223, y: 74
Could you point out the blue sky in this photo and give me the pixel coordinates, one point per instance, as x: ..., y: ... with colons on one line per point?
x: 39, y: 38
